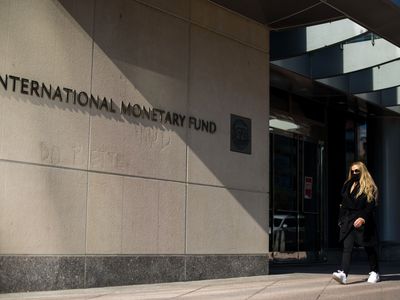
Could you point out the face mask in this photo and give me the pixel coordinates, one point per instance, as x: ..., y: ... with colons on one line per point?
x: 356, y: 177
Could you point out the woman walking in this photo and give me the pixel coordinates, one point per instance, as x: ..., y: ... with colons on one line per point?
x: 357, y: 222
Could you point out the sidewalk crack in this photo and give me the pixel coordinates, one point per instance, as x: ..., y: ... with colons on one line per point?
x: 323, y: 290
x: 263, y: 289
x: 193, y: 291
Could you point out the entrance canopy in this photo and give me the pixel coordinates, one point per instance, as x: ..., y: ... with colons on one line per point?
x: 379, y: 16
x: 352, y: 46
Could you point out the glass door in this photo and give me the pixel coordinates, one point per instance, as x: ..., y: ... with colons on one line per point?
x: 295, y: 191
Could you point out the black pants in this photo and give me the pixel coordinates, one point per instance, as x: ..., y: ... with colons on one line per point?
x: 348, y: 245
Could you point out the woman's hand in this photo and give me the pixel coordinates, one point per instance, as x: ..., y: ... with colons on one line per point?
x: 359, y: 222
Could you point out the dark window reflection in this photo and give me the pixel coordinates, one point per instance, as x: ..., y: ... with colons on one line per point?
x: 311, y: 193
x: 350, y: 142
x: 295, y: 196
x: 285, y: 173
x: 309, y: 233
x: 362, y: 142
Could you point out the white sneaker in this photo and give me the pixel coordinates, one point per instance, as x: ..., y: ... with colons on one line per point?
x: 340, y: 277
x: 373, y: 277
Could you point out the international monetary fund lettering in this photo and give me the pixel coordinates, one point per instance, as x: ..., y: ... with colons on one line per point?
x: 42, y: 90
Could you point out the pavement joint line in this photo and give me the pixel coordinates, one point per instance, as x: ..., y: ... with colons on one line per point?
x: 263, y: 289
x: 102, y: 295
x: 193, y: 291
x: 323, y: 290
x: 98, y: 296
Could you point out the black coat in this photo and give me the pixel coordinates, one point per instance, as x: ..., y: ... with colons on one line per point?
x: 352, y: 208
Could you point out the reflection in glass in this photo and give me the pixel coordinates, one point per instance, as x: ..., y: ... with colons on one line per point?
x: 362, y: 142
x: 350, y: 142
x: 309, y: 233
x: 311, y: 193
x: 285, y: 232
x: 295, y: 197
x: 285, y: 173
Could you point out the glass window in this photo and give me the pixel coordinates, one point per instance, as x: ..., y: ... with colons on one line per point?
x: 310, y: 194
x: 285, y: 173
x: 362, y: 142
x: 309, y: 233
x: 356, y: 141
x: 350, y: 143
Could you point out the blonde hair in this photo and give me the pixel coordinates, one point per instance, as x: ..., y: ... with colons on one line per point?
x: 367, y: 184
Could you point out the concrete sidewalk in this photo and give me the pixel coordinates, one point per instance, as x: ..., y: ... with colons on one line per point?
x: 293, y: 282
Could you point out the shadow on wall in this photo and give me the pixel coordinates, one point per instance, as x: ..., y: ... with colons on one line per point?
x: 152, y: 59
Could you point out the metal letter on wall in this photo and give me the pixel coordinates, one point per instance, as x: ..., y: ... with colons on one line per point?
x: 240, y: 134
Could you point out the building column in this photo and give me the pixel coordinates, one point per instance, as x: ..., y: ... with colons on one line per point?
x: 384, y: 164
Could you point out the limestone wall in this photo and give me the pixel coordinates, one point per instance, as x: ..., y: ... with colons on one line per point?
x: 78, y: 180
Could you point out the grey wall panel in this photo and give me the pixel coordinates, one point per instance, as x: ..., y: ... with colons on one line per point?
x: 384, y: 145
